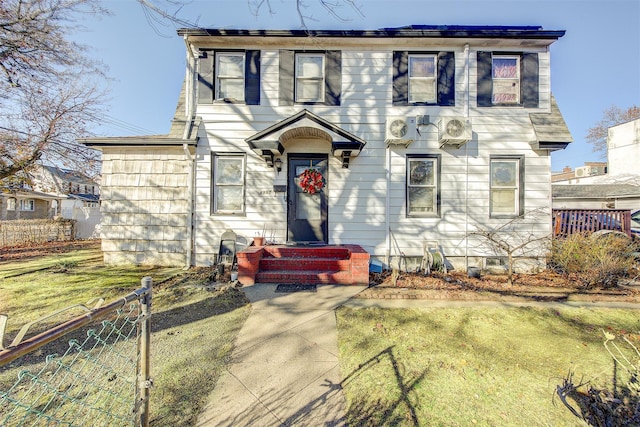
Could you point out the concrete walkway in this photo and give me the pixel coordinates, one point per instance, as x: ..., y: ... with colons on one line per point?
x: 284, y: 369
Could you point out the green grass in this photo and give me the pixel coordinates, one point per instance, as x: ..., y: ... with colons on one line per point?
x: 193, y: 329
x: 463, y: 366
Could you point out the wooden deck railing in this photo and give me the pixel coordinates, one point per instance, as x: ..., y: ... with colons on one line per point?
x: 570, y: 221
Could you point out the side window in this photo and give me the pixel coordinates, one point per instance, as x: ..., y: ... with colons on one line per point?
x: 505, y: 72
x: 423, y: 186
x: 423, y: 78
x: 506, y: 186
x: 11, y: 204
x: 309, y: 77
x: 27, y: 205
x: 230, y: 76
x: 228, y: 184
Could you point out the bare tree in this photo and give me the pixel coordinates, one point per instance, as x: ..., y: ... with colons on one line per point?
x: 614, y: 115
x: 48, y: 86
x: 512, y: 239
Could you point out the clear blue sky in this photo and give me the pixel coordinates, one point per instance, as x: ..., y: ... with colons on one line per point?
x: 595, y: 65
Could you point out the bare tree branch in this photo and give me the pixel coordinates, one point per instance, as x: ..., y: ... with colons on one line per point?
x: 614, y: 115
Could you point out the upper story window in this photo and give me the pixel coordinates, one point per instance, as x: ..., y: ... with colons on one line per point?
x: 228, y: 184
x: 230, y: 76
x: 422, y: 78
x: 507, y: 79
x: 309, y: 77
x: 423, y: 185
x: 27, y: 205
x: 505, y: 72
x: 506, y: 186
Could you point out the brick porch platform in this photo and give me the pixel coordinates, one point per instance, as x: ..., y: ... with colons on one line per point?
x: 330, y: 264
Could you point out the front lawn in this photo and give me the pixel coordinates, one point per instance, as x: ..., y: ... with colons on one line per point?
x: 474, y: 366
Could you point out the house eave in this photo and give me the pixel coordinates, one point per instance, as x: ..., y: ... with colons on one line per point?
x: 137, y: 142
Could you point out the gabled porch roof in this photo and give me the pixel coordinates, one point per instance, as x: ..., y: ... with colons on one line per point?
x: 271, y: 141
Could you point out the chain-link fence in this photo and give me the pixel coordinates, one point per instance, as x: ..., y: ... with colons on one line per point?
x: 101, y: 378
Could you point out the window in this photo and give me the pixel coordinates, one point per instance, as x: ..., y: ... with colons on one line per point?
x: 228, y: 184
x: 506, y: 193
x: 309, y: 77
x: 11, y: 204
x: 507, y: 79
x: 230, y: 76
x: 423, y: 195
x: 27, y: 205
x: 422, y: 78
x: 505, y: 72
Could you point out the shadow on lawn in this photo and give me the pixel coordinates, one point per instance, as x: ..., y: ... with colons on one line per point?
x: 377, y: 412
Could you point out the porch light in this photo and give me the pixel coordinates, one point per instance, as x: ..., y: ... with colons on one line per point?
x: 278, y: 164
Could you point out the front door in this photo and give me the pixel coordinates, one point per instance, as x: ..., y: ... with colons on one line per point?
x: 307, y: 211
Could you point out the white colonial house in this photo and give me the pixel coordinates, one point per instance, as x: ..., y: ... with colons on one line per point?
x: 421, y: 133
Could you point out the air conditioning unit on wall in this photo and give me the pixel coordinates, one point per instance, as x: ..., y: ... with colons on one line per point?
x: 400, y: 131
x: 454, y: 131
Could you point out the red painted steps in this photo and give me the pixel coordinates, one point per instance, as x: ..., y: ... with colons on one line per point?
x: 334, y: 264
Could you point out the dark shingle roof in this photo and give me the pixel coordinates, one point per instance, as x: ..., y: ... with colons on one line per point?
x: 593, y: 191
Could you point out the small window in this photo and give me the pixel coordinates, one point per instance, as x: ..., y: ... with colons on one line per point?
x: 309, y: 77
x: 228, y: 184
x: 11, y: 204
x: 505, y: 72
x: 506, y: 187
x: 230, y: 76
x: 422, y: 78
x: 27, y: 205
x: 422, y: 186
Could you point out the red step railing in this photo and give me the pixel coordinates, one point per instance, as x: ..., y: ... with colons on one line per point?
x: 571, y: 221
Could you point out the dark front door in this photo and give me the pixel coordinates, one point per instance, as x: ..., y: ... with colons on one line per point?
x: 307, y: 213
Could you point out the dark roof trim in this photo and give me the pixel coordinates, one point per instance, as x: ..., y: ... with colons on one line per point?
x: 428, y: 31
x: 299, y: 116
x: 137, y: 141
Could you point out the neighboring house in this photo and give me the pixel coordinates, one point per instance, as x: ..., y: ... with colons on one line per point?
x: 589, y: 169
x: 420, y: 133
x: 618, y: 188
x: 24, y: 203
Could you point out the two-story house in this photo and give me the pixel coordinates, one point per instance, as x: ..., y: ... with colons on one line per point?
x: 383, y: 139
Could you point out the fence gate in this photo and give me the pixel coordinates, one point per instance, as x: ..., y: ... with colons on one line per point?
x: 101, y: 378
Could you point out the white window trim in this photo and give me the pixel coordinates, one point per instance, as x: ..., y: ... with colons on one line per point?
x: 215, y: 210
x: 298, y: 78
x: 220, y: 77
x: 516, y: 188
x: 434, y: 79
x: 31, y: 205
x: 11, y: 204
x: 518, y: 79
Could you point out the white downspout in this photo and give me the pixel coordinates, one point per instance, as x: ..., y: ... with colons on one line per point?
x: 387, y: 203
x: 466, y: 155
x: 189, y: 116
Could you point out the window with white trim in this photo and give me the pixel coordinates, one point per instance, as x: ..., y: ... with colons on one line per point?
x: 423, y: 78
x: 506, y: 187
x: 505, y: 72
x: 27, y: 205
x: 310, y: 86
x: 228, y: 184
x: 423, y: 176
x: 230, y: 76
x: 11, y: 204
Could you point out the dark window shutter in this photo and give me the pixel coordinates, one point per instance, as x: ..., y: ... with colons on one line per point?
x: 206, y: 78
x: 400, y: 78
x: 252, y: 77
x: 333, y: 77
x: 530, y: 80
x: 286, y: 77
x: 521, y: 177
x: 485, y: 83
x: 446, y: 79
